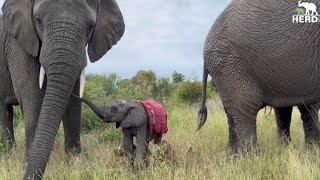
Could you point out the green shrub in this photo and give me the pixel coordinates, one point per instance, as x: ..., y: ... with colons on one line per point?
x: 5, y: 144
x: 17, y: 116
x: 110, y: 134
x: 90, y: 120
x: 191, y: 91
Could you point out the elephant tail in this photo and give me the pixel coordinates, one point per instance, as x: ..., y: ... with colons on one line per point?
x: 203, y: 110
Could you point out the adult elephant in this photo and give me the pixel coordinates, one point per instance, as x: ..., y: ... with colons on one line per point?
x: 43, y: 42
x: 257, y: 56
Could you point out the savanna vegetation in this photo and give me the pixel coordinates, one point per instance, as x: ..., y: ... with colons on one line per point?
x: 198, y: 155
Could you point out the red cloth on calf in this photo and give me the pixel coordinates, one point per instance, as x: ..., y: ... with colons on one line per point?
x: 157, y: 117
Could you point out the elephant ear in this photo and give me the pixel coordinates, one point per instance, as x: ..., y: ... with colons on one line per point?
x: 134, y: 118
x: 108, y: 31
x: 17, y: 19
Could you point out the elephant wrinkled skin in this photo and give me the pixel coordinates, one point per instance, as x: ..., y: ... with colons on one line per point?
x: 257, y: 56
x: 43, y: 52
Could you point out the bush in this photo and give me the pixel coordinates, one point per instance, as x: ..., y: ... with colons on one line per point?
x: 191, y: 91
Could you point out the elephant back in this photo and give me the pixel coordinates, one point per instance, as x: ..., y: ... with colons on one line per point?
x: 157, y: 117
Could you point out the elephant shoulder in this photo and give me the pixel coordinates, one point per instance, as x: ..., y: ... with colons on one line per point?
x: 139, y: 111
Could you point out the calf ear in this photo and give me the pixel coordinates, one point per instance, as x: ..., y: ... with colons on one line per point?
x: 136, y: 116
x: 108, y: 31
x: 17, y: 19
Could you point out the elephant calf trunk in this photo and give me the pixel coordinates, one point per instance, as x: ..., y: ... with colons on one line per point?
x: 92, y: 106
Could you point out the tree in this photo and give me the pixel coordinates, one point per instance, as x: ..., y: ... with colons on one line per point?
x: 145, y: 84
x: 177, y: 77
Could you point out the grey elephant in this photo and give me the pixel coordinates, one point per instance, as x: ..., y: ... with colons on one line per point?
x: 260, y: 58
x: 132, y: 117
x: 43, y: 56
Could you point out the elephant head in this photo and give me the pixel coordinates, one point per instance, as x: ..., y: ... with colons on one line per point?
x: 57, y: 33
x: 123, y: 112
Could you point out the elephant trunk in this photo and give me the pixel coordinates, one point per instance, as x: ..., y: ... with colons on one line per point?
x: 62, y: 57
x: 299, y: 3
x: 99, y: 111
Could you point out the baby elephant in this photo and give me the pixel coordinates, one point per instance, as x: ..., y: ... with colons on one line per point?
x: 146, y: 120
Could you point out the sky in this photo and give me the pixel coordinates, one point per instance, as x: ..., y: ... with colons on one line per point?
x: 161, y: 35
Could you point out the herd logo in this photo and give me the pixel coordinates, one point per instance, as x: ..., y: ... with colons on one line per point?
x: 306, y: 13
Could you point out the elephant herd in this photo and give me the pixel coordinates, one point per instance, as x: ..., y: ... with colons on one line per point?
x: 255, y: 55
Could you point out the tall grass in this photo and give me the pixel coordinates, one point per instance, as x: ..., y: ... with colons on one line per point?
x: 199, y: 155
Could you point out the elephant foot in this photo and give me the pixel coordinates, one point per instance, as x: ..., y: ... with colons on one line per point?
x: 312, y: 140
x: 245, y: 146
x: 284, y: 139
x: 121, y: 153
x: 140, y: 164
x: 73, y: 149
x: 243, y: 139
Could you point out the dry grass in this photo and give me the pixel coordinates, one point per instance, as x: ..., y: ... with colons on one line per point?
x: 208, y: 158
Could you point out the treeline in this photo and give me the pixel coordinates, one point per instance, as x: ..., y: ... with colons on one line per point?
x: 144, y: 85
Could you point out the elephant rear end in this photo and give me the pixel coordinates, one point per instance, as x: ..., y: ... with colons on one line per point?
x: 257, y: 56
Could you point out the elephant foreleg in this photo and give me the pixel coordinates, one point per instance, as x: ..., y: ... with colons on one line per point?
x: 71, y: 124
x: 127, y: 144
x: 309, y: 116
x: 142, y: 148
x: 283, y: 118
x: 24, y: 71
x: 6, y: 120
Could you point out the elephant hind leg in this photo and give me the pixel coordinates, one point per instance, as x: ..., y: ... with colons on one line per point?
x: 283, y: 118
x: 311, y: 126
x: 242, y: 130
x: 232, y: 143
x: 6, y: 120
x: 242, y: 107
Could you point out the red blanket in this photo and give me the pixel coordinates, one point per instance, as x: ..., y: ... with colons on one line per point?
x: 157, y: 117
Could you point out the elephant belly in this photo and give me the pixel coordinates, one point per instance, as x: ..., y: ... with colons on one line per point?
x: 288, y: 89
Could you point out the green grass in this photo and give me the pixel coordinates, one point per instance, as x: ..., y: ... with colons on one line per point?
x: 209, y: 159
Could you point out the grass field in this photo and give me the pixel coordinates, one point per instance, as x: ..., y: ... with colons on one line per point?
x: 209, y: 159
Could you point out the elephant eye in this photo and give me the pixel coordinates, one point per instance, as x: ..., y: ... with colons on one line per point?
x: 114, y: 109
x: 38, y: 19
x: 90, y: 31
x: 91, y: 28
x: 39, y: 22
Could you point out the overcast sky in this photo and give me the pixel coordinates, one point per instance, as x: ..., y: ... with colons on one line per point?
x: 161, y: 35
